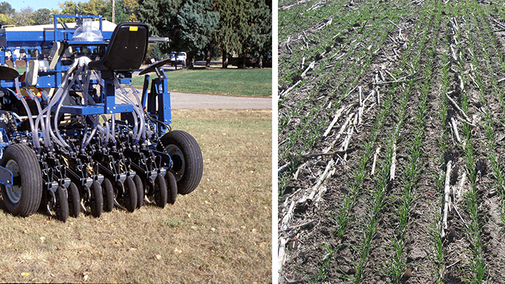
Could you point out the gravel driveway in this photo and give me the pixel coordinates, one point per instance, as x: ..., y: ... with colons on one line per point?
x: 199, y: 101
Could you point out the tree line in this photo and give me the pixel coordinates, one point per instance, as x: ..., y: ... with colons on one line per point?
x: 201, y: 28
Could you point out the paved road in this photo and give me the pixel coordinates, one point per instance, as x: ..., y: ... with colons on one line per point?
x: 196, y: 101
x: 199, y: 101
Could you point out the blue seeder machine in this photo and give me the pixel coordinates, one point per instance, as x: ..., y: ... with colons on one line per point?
x: 75, y: 135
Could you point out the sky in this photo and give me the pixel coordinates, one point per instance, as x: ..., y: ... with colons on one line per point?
x: 35, y: 4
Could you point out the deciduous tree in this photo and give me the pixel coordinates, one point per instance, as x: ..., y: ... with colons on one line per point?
x: 42, y: 16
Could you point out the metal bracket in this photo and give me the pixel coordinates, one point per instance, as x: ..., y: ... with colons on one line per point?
x: 6, y: 177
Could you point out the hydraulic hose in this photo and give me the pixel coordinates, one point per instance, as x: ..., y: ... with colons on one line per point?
x: 35, y: 139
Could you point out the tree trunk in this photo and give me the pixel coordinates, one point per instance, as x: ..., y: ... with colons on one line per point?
x: 225, y: 60
x: 242, y: 65
x: 207, y: 57
x: 190, y: 61
x: 260, y: 64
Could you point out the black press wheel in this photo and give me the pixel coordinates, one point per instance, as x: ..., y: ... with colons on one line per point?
x: 96, y: 200
x: 187, y: 161
x: 108, y: 195
x: 74, y: 200
x: 140, y: 190
x: 160, y: 191
x: 61, y: 206
x: 130, y: 195
x: 171, y: 188
x: 25, y: 195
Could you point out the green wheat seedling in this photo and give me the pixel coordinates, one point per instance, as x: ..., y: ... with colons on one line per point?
x: 488, y: 118
x: 473, y: 233
x: 383, y: 182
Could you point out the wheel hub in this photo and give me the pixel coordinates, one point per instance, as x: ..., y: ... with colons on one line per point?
x: 178, y: 161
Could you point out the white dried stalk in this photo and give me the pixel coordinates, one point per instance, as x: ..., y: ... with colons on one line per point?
x: 282, y: 248
x: 447, y: 200
x: 360, y: 114
x: 295, y: 176
x: 459, y: 109
x: 335, y: 119
x: 311, y: 65
x: 461, y: 83
x: 392, y: 170
x: 378, y: 98
x: 455, y: 129
x: 347, y: 142
x: 322, y: 178
x: 287, y: 217
x: 342, y: 129
x: 282, y: 168
x: 375, y: 160
x: 461, y: 186
x: 290, y: 88
x: 453, y: 52
x: 372, y: 92
x: 460, y: 217
x: 287, y: 45
x: 348, y: 93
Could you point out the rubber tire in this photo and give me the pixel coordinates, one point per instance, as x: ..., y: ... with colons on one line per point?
x: 160, y: 191
x: 74, y: 200
x: 140, y: 190
x: 61, y: 206
x: 30, y: 179
x: 96, y: 200
x: 189, y: 173
x: 130, y: 195
x: 171, y: 188
x: 108, y: 195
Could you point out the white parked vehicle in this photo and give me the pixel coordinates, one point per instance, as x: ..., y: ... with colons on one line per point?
x: 178, y: 58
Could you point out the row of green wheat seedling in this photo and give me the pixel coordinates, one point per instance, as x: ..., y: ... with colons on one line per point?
x: 398, y: 263
x: 385, y: 176
x: 497, y: 92
x: 298, y: 138
x: 473, y: 231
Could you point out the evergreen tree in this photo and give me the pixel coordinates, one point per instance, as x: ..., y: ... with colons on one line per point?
x: 6, y: 9
x: 197, y: 22
x: 259, y: 40
x: 232, y: 27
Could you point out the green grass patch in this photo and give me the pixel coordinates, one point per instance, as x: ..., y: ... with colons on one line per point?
x: 240, y: 82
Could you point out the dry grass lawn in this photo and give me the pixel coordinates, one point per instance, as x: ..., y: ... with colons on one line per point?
x: 221, y: 233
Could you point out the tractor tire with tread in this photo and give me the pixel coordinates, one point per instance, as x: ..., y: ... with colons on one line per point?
x: 187, y: 160
x: 24, y: 197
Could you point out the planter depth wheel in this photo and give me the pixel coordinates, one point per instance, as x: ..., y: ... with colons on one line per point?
x: 130, y: 193
x: 140, y: 190
x: 96, y: 200
x: 160, y: 191
x: 61, y: 206
x: 24, y: 197
x: 74, y: 200
x: 187, y: 160
x: 171, y: 188
x: 108, y: 195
